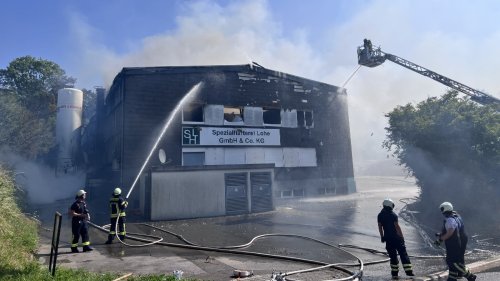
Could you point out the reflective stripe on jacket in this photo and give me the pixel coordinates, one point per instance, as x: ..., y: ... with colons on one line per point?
x: 117, y: 205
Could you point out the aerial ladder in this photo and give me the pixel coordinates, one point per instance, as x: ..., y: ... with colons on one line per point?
x: 372, y: 57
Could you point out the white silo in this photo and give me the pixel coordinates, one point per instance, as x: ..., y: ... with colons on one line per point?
x: 68, y: 122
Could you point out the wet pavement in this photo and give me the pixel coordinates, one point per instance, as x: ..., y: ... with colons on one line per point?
x: 346, y: 219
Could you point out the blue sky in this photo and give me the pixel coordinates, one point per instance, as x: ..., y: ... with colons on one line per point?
x: 93, y: 39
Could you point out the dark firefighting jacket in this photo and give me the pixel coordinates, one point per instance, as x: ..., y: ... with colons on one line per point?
x: 117, y: 206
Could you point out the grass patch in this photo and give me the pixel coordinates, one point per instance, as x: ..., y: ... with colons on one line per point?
x: 18, y: 234
x: 36, y: 272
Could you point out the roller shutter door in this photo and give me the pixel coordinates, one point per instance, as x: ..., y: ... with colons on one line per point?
x: 236, y: 193
x: 261, y: 191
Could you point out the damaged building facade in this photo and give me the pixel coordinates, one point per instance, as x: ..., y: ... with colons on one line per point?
x: 249, y: 136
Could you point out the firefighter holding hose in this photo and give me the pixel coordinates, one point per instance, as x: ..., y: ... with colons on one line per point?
x: 454, y: 236
x: 391, y: 234
x: 117, y: 206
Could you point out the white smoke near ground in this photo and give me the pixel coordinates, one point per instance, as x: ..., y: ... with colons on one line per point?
x: 39, y: 182
x: 434, y: 34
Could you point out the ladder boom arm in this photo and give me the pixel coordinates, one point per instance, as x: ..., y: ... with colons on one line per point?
x: 475, y: 95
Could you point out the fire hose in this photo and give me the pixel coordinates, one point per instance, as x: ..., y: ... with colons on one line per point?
x: 275, y: 276
x: 232, y: 250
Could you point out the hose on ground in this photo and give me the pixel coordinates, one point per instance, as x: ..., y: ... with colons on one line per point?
x: 232, y: 250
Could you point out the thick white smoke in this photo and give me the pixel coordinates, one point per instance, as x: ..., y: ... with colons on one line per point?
x: 39, y: 182
x: 434, y: 34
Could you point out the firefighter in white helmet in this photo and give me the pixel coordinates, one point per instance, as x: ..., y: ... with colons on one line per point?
x: 455, y: 238
x: 117, y: 206
x: 391, y: 234
x: 80, y: 216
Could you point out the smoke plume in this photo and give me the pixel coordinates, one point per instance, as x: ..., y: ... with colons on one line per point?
x: 39, y: 182
x: 209, y: 33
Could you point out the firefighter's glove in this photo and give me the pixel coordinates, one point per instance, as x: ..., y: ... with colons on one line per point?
x: 382, y: 239
x: 438, y: 240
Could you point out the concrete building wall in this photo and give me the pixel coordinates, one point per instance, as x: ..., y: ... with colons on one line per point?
x: 177, y: 195
x: 190, y: 194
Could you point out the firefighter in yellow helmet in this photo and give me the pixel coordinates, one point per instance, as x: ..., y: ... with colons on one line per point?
x: 391, y: 234
x: 79, y: 222
x: 117, y: 206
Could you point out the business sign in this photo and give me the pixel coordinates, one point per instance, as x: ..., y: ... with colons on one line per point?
x: 229, y: 136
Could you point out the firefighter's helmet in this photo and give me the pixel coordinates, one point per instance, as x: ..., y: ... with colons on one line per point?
x: 117, y: 191
x: 446, y: 207
x: 388, y: 203
x: 80, y: 192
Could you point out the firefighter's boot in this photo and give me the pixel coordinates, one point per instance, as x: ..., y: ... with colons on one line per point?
x: 110, y: 239
x: 87, y: 248
x: 471, y: 277
x: 122, y: 237
x: 74, y: 250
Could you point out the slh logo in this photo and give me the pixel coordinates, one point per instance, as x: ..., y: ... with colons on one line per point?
x: 190, y: 136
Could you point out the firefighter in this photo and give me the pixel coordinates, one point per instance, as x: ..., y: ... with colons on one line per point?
x: 454, y: 237
x: 391, y: 234
x: 79, y: 222
x: 117, y: 207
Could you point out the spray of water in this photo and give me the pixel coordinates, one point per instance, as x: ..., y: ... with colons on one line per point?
x: 194, y: 90
x: 348, y: 79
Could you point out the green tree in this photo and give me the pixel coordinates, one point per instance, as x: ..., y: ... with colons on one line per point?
x: 89, y: 104
x: 21, y: 131
x: 452, y: 147
x: 28, y: 96
x: 35, y: 82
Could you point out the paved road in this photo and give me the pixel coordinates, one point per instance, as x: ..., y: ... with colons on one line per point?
x: 347, y: 219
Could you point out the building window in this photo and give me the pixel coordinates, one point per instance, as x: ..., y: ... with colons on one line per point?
x: 233, y: 115
x: 192, y: 113
x: 298, y: 192
x: 309, y: 119
x: 305, y: 119
x: 193, y: 158
x: 326, y: 191
x: 292, y: 193
x: 272, y: 116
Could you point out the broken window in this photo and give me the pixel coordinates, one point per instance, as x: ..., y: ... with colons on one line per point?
x: 300, y: 119
x: 309, y: 119
x: 192, y: 113
x: 233, y: 114
x: 272, y: 116
x: 305, y: 119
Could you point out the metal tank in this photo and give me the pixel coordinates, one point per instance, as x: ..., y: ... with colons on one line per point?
x: 68, y: 123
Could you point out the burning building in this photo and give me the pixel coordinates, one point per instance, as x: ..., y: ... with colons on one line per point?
x: 249, y: 136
